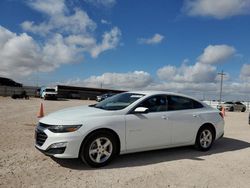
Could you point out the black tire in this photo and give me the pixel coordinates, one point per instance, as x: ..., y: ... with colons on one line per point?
x: 243, y: 109
x: 85, y: 155
x: 231, y: 109
x: 200, y: 144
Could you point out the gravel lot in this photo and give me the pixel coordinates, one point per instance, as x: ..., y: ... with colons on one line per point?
x: 227, y: 164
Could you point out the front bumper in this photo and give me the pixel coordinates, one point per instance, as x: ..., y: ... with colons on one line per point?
x: 73, y: 142
x: 50, y: 96
x: 52, y: 151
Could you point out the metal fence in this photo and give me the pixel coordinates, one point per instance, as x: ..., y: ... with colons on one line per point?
x: 8, y: 91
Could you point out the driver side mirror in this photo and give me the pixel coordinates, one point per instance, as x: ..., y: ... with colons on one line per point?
x: 140, y: 110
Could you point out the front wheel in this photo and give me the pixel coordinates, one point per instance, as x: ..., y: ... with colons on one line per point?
x: 204, y: 139
x: 243, y: 109
x: 99, y: 149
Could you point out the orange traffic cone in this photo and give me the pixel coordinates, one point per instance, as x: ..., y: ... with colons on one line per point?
x: 223, y: 111
x: 41, y: 112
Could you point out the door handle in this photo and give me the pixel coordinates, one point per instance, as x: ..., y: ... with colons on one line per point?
x: 194, y: 115
x: 164, y: 117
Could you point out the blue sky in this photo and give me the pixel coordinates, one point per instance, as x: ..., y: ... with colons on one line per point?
x: 154, y: 44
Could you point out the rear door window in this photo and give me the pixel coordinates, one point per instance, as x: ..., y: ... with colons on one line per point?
x: 182, y: 103
x: 238, y: 103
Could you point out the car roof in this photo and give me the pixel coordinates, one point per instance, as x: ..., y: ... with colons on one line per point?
x: 153, y: 92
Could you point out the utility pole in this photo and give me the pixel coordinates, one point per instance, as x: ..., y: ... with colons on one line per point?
x: 222, y: 74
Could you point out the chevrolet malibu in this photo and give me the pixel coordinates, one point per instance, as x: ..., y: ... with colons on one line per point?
x: 128, y: 122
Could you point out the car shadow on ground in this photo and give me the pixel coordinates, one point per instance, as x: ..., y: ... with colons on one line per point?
x: 157, y: 156
x: 58, y: 99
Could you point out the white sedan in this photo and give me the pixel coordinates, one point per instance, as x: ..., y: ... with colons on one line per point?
x: 128, y: 122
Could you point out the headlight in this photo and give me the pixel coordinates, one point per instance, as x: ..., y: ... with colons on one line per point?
x: 64, y: 128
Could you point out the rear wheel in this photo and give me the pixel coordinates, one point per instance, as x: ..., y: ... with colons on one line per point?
x: 99, y: 149
x: 231, y: 109
x: 205, y: 138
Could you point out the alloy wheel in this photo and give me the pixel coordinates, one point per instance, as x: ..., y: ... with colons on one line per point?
x: 100, y: 150
x: 206, y: 138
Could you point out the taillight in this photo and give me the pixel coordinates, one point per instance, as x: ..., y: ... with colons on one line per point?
x: 221, y: 114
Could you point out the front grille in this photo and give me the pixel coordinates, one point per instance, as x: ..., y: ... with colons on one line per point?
x: 40, y: 137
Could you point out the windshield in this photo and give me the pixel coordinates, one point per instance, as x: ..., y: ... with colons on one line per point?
x: 50, y: 90
x: 119, y: 101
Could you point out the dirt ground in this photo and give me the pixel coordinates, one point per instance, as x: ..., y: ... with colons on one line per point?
x: 227, y: 164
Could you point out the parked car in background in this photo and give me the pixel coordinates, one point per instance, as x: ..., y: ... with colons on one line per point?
x: 48, y: 93
x: 232, y: 106
x: 104, y: 96
x: 126, y: 123
x: 22, y: 95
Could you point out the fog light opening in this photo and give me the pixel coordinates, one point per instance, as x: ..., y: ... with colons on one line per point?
x: 58, y: 145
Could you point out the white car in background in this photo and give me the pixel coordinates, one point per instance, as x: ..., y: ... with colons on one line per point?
x: 128, y: 122
x: 233, y: 106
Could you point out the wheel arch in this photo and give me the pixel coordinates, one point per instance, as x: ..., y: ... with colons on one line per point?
x: 207, y: 125
x: 114, y: 133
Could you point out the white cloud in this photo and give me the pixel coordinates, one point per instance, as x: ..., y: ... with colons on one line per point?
x: 77, y: 28
x: 80, y: 40
x: 64, y: 37
x: 167, y: 72
x: 199, y: 79
x: 59, y: 19
x: 105, y: 22
x: 49, y: 7
x: 17, y: 53
x: 214, y: 54
x: 210, y: 91
x: 21, y: 55
x: 197, y: 73
x: 200, y: 83
x: 245, y: 72
x: 156, y: 39
x: 184, y: 87
x: 109, y: 41
x: 102, y: 3
x: 57, y: 51
x: 125, y: 81
x: 218, y: 9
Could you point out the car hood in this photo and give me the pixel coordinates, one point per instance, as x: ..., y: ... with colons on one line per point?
x: 74, y: 115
